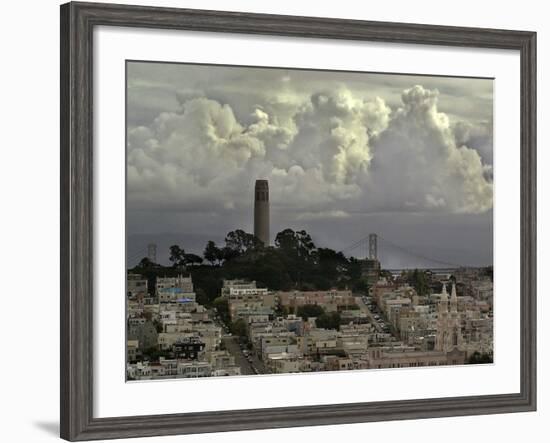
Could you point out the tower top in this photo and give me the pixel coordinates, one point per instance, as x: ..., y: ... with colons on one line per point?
x: 262, y: 184
x: 444, y: 292
x: 444, y: 301
x: 454, y: 300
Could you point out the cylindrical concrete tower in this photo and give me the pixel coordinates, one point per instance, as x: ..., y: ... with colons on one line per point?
x: 261, y: 211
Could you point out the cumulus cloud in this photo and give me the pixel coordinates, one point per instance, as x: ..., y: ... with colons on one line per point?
x: 418, y: 163
x: 477, y: 135
x: 325, y: 153
x: 334, y: 134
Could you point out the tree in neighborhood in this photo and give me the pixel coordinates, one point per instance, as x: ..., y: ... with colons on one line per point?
x: 479, y: 358
x: 222, y: 308
x: 191, y: 259
x: 419, y: 282
x: 201, y: 296
x: 241, y: 242
x: 297, y: 243
x: 145, y: 263
x: 328, y: 321
x: 228, y: 253
x: 212, y: 253
x: 299, y: 255
x: 306, y: 311
x: 239, y: 328
x: 177, y: 256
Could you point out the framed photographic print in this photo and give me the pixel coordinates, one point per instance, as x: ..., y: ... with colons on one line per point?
x: 273, y: 221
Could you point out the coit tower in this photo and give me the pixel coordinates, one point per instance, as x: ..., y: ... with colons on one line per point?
x: 261, y: 211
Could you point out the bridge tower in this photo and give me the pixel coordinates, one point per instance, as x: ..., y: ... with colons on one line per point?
x: 152, y: 252
x: 373, y: 246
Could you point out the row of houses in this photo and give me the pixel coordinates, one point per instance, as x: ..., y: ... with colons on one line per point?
x: 288, y: 343
x: 170, y: 335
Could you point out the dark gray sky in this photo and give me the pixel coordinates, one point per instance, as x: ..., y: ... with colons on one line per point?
x: 346, y: 154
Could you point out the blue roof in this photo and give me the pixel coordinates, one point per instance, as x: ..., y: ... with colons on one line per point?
x: 174, y: 290
x: 184, y: 300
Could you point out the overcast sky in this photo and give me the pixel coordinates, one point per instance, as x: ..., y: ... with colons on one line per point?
x: 407, y: 157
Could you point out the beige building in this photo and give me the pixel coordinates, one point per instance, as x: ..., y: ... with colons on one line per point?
x: 379, y: 358
x: 136, y: 285
x: 330, y: 300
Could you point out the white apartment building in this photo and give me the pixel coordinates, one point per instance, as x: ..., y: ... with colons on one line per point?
x: 180, y: 282
x: 193, y: 369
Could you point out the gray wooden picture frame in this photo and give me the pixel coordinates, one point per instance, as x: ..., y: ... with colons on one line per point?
x: 77, y: 24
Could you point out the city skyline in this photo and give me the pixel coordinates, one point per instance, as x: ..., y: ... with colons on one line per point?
x: 293, y: 221
x: 346, y: 154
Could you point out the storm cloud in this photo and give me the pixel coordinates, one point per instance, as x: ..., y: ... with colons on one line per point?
x: 335, y: 147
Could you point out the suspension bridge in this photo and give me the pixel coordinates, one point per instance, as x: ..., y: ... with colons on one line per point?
x: 372, y: 246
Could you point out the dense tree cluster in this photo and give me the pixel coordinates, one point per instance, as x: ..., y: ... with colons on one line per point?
x: 179, y: 258
x: 419, y: 281
x: 294, y: 262
x: 478, y: 358
x: 307, y: 311
x: 323, y: 319
x: 330, y: 320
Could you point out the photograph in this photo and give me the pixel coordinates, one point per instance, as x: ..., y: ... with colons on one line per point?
x: 293, y: 218
x: 283, y: 220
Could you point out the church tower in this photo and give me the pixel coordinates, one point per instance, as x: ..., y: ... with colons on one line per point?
x: 261, y: 211
x: 449, y: 333
x: 442, y: 319
x: 455, y: 327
